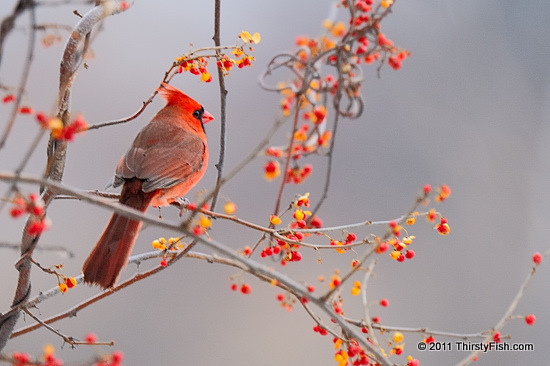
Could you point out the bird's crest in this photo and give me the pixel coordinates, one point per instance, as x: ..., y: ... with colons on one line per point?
x: 175, y: 96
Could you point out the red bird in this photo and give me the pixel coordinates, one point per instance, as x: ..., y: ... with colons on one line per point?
x: 168, y: 157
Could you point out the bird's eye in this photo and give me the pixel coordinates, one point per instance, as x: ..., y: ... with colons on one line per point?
x: 197, y: 114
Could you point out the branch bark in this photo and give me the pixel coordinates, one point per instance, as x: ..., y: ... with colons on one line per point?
x: 57, y: 151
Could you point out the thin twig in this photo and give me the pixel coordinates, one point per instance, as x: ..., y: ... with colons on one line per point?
x: 223, y: 101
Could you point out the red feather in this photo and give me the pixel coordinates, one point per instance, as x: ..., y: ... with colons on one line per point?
x: 167, y: 158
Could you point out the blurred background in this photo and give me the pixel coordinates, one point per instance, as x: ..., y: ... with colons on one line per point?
x: 469, y: 109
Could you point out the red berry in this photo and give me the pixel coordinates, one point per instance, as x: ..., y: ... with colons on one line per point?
x: 427, y: 189
x: 316, y: 222
x: 382, y: 247
x: 16, y: 212
x: 118, y: 356
x: 361, y: 49
x: 296, y: 256
x: 351, y: 237
x: 394, y: 62
x: 530, y: 319
x: 8, y: 98
x: 384, y: 302
x: 409, y: 254
x: 90, y: 338
x: 246, y: 289
x: 280, y: 297
x: 234, y: 287
x: 537, y: 258
x: 25, y: 110
x: 163, y: 262
x: 376, y: 319
x: 364, y: 330
x: 36, y: 228
x: 270, y: 167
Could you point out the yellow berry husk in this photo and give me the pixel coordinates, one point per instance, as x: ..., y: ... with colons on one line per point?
x: 230, y: 208
x: 205, y: 222
x: 398, y: 337
x: 275, y: 220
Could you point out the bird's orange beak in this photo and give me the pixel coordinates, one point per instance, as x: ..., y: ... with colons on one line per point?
x: 207, y: 117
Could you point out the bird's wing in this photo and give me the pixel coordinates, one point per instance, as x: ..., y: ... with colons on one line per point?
x: 162, y: 163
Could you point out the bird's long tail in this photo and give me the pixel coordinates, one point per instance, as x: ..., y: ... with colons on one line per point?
x: 111, y: 252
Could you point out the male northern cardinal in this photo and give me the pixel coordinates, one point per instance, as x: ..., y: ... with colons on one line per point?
x: 168, y: 157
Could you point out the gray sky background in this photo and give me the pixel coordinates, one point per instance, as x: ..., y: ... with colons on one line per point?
x: 469, y: 108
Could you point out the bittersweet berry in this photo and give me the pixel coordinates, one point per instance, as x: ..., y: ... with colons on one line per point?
x: 90, y: 338
x: 382, y: 247
x: 530, y: 319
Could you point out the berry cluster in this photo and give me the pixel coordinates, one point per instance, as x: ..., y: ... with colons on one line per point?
x: 198, y: 65
x: 59, y: 131
x: 342, y: 48
x: 33, y: 206
x: 65, y: 283
x: 349, y: 353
